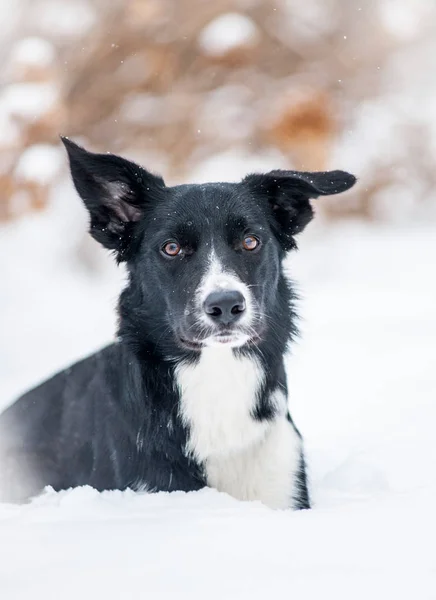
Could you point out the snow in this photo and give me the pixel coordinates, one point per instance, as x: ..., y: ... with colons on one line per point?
x: 206, y: 545
x: 362, y: 388
x: 28, y: 100
x: 404, y: 19
x: 63, y: 20
x: 226, y: 32
x: 306, y: 21
x: 40, y: 163
x: 33, y: 51
x: 10, y: 14
x: 23, y: 102
x: 233, y: 165
x: 9, y: 132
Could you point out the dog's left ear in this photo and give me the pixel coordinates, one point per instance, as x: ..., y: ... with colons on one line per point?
x: 288, y: 194
x: 115, y: 191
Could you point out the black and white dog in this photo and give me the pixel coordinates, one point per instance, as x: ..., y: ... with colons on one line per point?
x: 193, y: 393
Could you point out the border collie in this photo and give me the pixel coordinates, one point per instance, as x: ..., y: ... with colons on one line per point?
x: 193, y: 393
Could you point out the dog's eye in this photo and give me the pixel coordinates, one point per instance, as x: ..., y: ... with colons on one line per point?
x: 250, y: 242
x: 171, y: 249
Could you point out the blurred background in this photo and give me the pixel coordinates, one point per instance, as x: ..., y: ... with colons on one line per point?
x: 194, y: 88
x: 206, y: 90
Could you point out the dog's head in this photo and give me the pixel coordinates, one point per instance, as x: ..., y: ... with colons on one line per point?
x: 204, y: 260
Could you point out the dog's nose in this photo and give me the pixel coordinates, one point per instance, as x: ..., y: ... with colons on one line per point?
x: 225, y: 306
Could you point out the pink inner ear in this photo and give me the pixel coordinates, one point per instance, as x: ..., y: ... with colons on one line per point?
x: 125, y: 211
x: 119, y: 194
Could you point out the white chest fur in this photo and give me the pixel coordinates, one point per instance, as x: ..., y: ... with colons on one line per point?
x: 217, y: 396
x: 249, y: 459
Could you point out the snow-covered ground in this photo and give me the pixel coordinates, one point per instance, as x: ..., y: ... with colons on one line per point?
x: 362, y: 382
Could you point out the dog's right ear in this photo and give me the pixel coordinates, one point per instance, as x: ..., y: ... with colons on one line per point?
x: 115, y: 191
x: 288, y: 194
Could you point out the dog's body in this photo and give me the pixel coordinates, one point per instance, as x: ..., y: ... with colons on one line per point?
x: 193, y: 393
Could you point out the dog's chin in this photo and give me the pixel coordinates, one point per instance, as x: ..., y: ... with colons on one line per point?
x: 232, y: 340
x: 235, y: 339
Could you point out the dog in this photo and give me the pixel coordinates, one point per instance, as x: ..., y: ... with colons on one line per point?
x: 193, y: 392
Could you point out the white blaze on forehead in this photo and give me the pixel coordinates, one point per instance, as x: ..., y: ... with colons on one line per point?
x: 218, y: 278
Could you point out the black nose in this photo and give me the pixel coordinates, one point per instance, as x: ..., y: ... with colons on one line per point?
x: 224, y: 307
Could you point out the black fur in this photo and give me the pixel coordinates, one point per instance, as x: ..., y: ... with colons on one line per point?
x: 111, y: 420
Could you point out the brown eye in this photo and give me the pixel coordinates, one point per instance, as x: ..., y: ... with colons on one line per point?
x: 250, y: 242
x: 172, y: 249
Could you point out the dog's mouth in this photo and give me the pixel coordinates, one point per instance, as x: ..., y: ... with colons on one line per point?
x: 230, y: 338
x: 190, y: 344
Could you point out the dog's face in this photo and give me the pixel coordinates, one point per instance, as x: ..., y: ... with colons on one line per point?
x: 204, y: 259
x: 212, y: 260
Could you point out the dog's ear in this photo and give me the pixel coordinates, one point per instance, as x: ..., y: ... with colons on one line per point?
x: 115, y: 191
x: 288, y: 194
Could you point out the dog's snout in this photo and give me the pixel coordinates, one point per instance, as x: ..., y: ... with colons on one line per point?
x: 225, y: 306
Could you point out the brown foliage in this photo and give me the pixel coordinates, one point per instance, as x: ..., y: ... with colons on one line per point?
x: 141, y: 81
